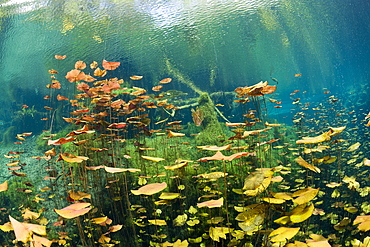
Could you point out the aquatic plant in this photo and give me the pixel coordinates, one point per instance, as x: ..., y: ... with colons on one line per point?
x: 128, y: 172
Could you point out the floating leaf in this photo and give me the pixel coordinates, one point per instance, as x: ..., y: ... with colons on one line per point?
x: 220, y: 156
x: 70, y: 158
x: 277, y: 179
x: 154, y: 159
x: 235, y: 124
x: 157, y: 88
x: 193, y: 210
x: 136, y: 77
x: 165, y: 80
x: 353, y: 147
x: 251, y: 132
x: 7, y: 227
x: 150, y: 189
x: 60, y: 56
x: 100, y: 72
x: 219, y: 232
x: 285, y: 196
x: 255, y: 181
x: 84, y: 130
x: 118, y: 125
x: 99, y: 220
x: 110, y: 65
x: 211, y: 203
x: 212, y: 175
x: 351, y: 210
x: 60, y: 141
x: 78, y: 195
x: 174, y: 134
x: 258, y: 89
x: 333, y: 184
x: 94, y: 168
x: 158, y: 222
x: 74, y: 210
x: 180, y: 243
x: 75, y: 75
x: 304, y: 195
x: 317, y: 139
x: 80, y: 65
x: 169, y: 196
x: 329, y: 159
x: 283, y: 234
x: 273, y: 200
x: 305, y: 164
x: 215, y: 148
x: 180, y: 220
x: 115, y: 170
x: 357, y: 243
x: 174, y: 167
x: 104, y: 239
x: 252, y: 217
x: 37, y: 240
x: 335, y: 194
x: 301, y: 213
x: 317, y: 241
x: 115, y: 228
x: 29, y: 215
x: 296, y: 244
x: 193, y: 222
x: 364, y: 221
x: 22, y: 234
x: 4, y: 186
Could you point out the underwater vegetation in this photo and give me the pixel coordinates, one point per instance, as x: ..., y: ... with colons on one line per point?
x: 129, y: 170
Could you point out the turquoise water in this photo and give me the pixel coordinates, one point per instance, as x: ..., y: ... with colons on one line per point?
x: 219, y: 45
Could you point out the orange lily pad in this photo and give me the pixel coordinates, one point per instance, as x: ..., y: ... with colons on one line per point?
x: 165, y: 80
x: 70, y: 158
x: 60, y: 141
x: 150, y: 189
x: 215, y: 148
x: 74, y: 210
x: 211, y: 203
x: 115, y: 170
x: 110, y: 65
x: 84, y: 130
x: 220, y: 156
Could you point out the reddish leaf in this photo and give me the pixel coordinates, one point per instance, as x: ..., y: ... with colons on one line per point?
x: 74, y: 210
x: 211, y: 203
x: 220, y: 156
x: 150, y: 189
x: 75, y: 75
x: 117, y: 125
x: 110, y: 65
x: 60, y: 141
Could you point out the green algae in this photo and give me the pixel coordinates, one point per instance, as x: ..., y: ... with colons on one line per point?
x: 212, y: 132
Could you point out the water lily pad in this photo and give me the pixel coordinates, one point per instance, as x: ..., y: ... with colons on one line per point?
x: 150, y: 189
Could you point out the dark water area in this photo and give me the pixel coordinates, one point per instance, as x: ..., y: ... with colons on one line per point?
x: 236, y: 123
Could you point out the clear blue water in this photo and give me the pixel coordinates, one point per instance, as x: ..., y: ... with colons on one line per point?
x: 219, y: 45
